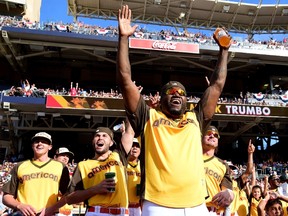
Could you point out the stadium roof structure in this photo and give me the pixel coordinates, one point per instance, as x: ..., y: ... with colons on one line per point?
x: 236, y: 15
x: 12, y: 7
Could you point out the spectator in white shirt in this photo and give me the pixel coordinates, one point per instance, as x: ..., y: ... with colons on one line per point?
x: 283, y: 188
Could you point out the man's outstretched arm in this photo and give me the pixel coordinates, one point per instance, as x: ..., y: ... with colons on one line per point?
x: 217, y: 81
x: 129, y: 90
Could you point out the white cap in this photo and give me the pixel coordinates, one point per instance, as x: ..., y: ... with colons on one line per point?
x: 42, y: 135
x: 135, y: 140
x: 229, y: 163
x: 63, y: 150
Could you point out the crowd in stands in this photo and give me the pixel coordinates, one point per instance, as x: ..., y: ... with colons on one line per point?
x: 168, y: 35
x: 27, y: 90
x: 279, y: 98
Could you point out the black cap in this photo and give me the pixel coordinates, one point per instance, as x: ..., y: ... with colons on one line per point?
x: 172, y: 84
x: 283, y: 177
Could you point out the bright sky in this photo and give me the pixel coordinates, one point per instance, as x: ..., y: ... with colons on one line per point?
x: 56, y: 10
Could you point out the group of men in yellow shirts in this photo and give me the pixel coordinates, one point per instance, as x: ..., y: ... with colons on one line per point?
x: 173, y: 178
x: 34, y: 184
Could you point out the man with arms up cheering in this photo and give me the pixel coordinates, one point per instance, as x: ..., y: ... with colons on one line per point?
x: 173, y: 179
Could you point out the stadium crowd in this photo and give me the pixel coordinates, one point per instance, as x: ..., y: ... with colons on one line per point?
x: 278, y: 98
x: 168, y: 35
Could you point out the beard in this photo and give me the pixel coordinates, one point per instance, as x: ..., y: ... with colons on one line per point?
x: 171, y: 110
x: 176, y: 111
x: 101, y: 152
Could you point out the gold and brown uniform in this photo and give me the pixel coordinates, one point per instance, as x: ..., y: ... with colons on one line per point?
x: 38, y: 183
x: 134, y: 177
x: 240, y: 202
x: 217, y: 177
x: 174, y: 167
x: 92, y: 172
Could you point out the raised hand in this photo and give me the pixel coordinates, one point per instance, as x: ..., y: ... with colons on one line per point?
x: 207, y: 81
x: 124, y: 22
x: 154, y: 100
x: 123, y: 128
x: 251, y: 147
x: 228, y: 38
x: 272, y: 195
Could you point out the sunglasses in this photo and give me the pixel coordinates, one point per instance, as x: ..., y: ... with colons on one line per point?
x: 137, y: 145
x: 209, y: 133
x: 173, y: 90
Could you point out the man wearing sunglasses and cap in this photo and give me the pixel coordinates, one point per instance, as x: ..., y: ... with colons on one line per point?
x: 174, y: 179
x: 219, y: 183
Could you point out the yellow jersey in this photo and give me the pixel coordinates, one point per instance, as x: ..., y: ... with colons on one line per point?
x: 174, y: 167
